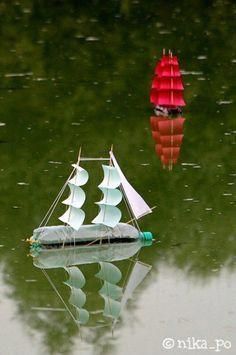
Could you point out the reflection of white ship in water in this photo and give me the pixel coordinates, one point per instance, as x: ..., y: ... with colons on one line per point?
x: 106, y: 227
x: 114, y: 294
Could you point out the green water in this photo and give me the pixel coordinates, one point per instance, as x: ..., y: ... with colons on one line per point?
x: 78, y: 74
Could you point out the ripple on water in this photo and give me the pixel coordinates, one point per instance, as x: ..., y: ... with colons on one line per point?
x: 13, y: 75
x: 202, y: 57
x: 224, y: 102
x: 92, y: 39
x: 54, y: 162
x: 185, y: 72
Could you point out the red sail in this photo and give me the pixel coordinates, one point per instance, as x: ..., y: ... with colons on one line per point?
x: 154, y: 97
x: 165, y: 60
x: 165, y: 83
x: 169, y: 71
x: 171, y: 141
x: 154, y: 122
x: 156, y: 136
x: 158, y: 149
x: 167, y: 162
x: 170, y: 127
x: 168, y: 59
x: 167, y: 98
x: 171, y: 152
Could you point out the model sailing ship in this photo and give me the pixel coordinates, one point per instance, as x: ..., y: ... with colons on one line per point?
x: 106, y: 226
x: 167, y: 98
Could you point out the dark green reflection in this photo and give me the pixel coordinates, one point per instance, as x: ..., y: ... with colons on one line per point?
x: 79, y: 74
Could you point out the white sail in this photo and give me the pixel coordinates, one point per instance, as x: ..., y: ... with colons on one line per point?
x: 77, y: 297
x: 82, y: 316
x: 110, y: 292
x: 111, y: 196
x: 74, y: 216
x: 109, y: 215
x: 109, y: 272
x: 81, y: 176
x: 111, y: 177
x: 76, y: 277
x: 112, y: 307
x: 137, y: 204
x: 76, y: 198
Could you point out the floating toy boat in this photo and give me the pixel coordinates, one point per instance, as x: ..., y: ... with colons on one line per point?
x: 167, y: 97
x: 167, y: 86
x: 106, y: 226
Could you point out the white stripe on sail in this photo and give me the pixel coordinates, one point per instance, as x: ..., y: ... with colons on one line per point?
x: 109, y: 215
x: 137, y: 204
x: 74, y: 217
x: 76, y: 198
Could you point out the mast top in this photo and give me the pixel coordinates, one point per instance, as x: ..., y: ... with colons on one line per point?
x: 79, y: 155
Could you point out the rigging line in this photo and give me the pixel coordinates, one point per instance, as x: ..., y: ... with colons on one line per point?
x: 131, y: 220
x: 130, y: 211
x: 54, y: 204
x: 126, y: 202
x: 94, y: 159
x: 60, y: 297
x: 58, y: 196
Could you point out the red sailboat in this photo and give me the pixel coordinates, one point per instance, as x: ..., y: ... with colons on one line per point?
x: 167, y: 97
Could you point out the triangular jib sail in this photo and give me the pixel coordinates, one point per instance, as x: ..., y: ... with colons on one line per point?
x: 74, y: 216
x: 137, y: 204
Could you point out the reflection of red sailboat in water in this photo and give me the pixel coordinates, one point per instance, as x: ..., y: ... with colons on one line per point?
x: 167, y: 97
x: 168, y: 136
